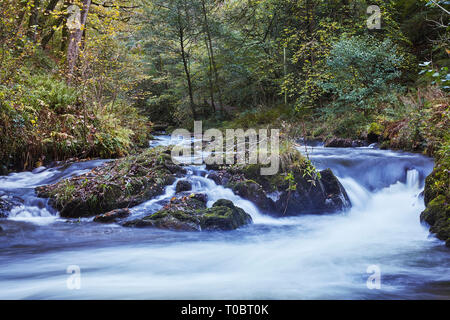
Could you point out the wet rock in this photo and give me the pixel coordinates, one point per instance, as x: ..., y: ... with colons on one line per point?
x: 437, y: 201
x: 215, y: 177
x: 117, y: 184
x: 325, y: 195
x: 190, y: 214
x: 183, y: 185
x: 275, y: 195
x: 112, y: 216
x: 253, y: 192
x: 224, y: 215
x: 345, y: 143
x: 7, y: 203
x: 202, y: 197
x: 221, y: 177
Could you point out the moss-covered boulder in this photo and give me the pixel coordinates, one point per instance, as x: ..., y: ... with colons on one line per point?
x: 118, y: 184
x: 437, y: 200
x: 298, y: 188
x: 191, y: 214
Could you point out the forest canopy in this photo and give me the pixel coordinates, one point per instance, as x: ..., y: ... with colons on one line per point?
x: 89, y: 78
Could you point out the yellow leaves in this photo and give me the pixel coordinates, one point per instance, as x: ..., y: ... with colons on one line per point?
x: 34, y: 122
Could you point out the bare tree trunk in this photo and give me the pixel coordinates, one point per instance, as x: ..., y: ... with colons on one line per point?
x: 213, y: 61
x: 75, y: 38
x: 211, y: 87
x: 185, y: 64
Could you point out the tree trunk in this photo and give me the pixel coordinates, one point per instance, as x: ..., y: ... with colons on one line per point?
x: 33, y: 22
x: 45, y: 16
x: 185, y: 64
x: 210, y: 80
x: 75, y: 38
x: 213, y: 61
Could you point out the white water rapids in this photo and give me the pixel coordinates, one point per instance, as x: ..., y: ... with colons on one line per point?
x: 304, y: 257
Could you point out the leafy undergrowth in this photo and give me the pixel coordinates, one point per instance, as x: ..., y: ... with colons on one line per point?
x: 42, y: 119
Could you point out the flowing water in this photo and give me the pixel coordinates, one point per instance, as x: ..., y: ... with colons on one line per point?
x: 306, y: 257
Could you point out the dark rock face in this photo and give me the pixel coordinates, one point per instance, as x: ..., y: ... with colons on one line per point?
x: 7, y: 203
x: 326, y: 196
x: 191, y: 214
x: 344, y: 143
x: 221, y: 177
x: 183, y: 185
x: 272, y: 194
x: 253, y: 192
x: 437, y: 200
x: 112, y: 216
x: 118, y: 184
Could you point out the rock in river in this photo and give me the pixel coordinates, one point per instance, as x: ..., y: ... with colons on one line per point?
x: 183, y: 185
x: 118, y: 184
x: 191, y: 214
x: 112, y: 216
x: 296, y: 189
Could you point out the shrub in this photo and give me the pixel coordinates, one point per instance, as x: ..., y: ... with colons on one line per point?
x: 362, y: 72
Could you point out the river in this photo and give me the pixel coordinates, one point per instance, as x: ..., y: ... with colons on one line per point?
x: 305, y: 257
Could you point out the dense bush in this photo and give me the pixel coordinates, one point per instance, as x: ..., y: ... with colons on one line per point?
x: 363, y: 74
x: 43, y: 119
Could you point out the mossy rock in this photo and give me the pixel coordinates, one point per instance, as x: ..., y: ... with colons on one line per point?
x: 254, y: 192
x: 118, y: 184
x: 311, y: 195
x: 437, y: 201
x: 190, y: 214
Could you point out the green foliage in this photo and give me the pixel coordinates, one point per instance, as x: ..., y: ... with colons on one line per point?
x: 362, y: 75
x: 48, y: 91
x: 436, y: 76
x: 291, y: 180
x: 310, y: 172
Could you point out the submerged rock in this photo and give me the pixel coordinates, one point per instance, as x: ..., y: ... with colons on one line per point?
x: 191, y: 214
x: 118, y: 184
x: 112, y: 216
x: 437, y: 201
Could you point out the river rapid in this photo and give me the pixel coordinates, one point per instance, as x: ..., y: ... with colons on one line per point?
x: 305, y: 257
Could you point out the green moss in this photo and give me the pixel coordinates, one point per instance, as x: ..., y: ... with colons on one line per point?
x: 437, y: 200
x: 190, y: 214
